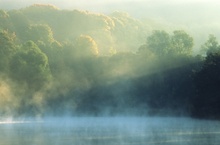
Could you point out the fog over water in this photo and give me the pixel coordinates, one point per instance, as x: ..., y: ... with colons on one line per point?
x: 111, y: 131
x: 85, y: 84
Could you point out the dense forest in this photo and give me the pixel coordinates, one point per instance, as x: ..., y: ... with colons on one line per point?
x: 63, y: 62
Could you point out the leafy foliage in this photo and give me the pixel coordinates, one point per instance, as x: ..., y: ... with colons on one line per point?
x: 30, y: 65
x: 211, y: 45
x: 159, y: 42
x: 7, y: 49
x: 86, y: 46
x: 162, y: 43
x: 78, y: 62
x: 181, y: 42
x: 40, y: 33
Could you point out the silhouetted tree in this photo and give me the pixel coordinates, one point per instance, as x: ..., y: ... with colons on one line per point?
x: 207, y: 80
x: 211, y: 45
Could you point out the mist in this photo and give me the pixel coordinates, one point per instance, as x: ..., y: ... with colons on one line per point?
x: 111, y: 131
x: 59, y: 60
x: 200, y: 18
x: 110, y: 72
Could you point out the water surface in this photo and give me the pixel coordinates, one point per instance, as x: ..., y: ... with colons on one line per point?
x: 111, y: 131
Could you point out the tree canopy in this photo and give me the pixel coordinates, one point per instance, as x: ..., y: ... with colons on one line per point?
x: 86, y: 46
x: 211, y: 45
x: 7, y: 48
x: 30, y: 65
x: 181, y: 42
x: 162, y: 43
x: 78, y: 62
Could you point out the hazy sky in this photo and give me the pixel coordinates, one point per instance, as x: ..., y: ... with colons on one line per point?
x: 196, y: 15
x: 100, y: 4
x: 141, y: 8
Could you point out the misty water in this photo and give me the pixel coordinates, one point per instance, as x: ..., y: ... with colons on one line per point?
x: 110, y: 131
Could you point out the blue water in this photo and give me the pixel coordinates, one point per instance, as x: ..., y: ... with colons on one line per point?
x: 111, y: 131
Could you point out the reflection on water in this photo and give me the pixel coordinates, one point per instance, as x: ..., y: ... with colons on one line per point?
x: 111, y: 131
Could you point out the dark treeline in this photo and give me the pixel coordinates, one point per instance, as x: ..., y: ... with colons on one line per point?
x: 59, y: 62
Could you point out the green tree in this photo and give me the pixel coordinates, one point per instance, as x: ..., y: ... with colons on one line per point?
x: 30, y: 66
x: 86, y: 46
x: 181, y: 43
x: 5, y: 23
x: 7, y: 48
x: 55, y: 56
x: 211, y: 45
x: 41, y: 33
x: 159, y: 42
x: 3, y: 14
x: 20, y: 24
x: 162, y: 43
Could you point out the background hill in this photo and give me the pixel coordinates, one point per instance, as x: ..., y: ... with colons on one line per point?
x: 74, y: 62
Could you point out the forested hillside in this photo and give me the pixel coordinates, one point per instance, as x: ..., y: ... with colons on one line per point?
x: 63, y: 62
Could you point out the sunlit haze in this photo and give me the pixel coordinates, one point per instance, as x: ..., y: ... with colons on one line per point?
x: 104, y: 5
x: 109, y: 72
x: 179, y: 10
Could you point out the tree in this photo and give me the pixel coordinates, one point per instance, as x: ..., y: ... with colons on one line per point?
x: 7, y: 48
x: 86, y: 46
x: 42, y: 33
x: 20, y: 24
x: 207, y: 80
x: 159, y: 42
x: 3, y: 14
x: 162, y: 43
x: 181, y: 43
x: 211, y: 45
x: 5, y: 22
x: 30, y: 66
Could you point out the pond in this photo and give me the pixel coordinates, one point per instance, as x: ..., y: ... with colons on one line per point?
x: 110, y: 131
